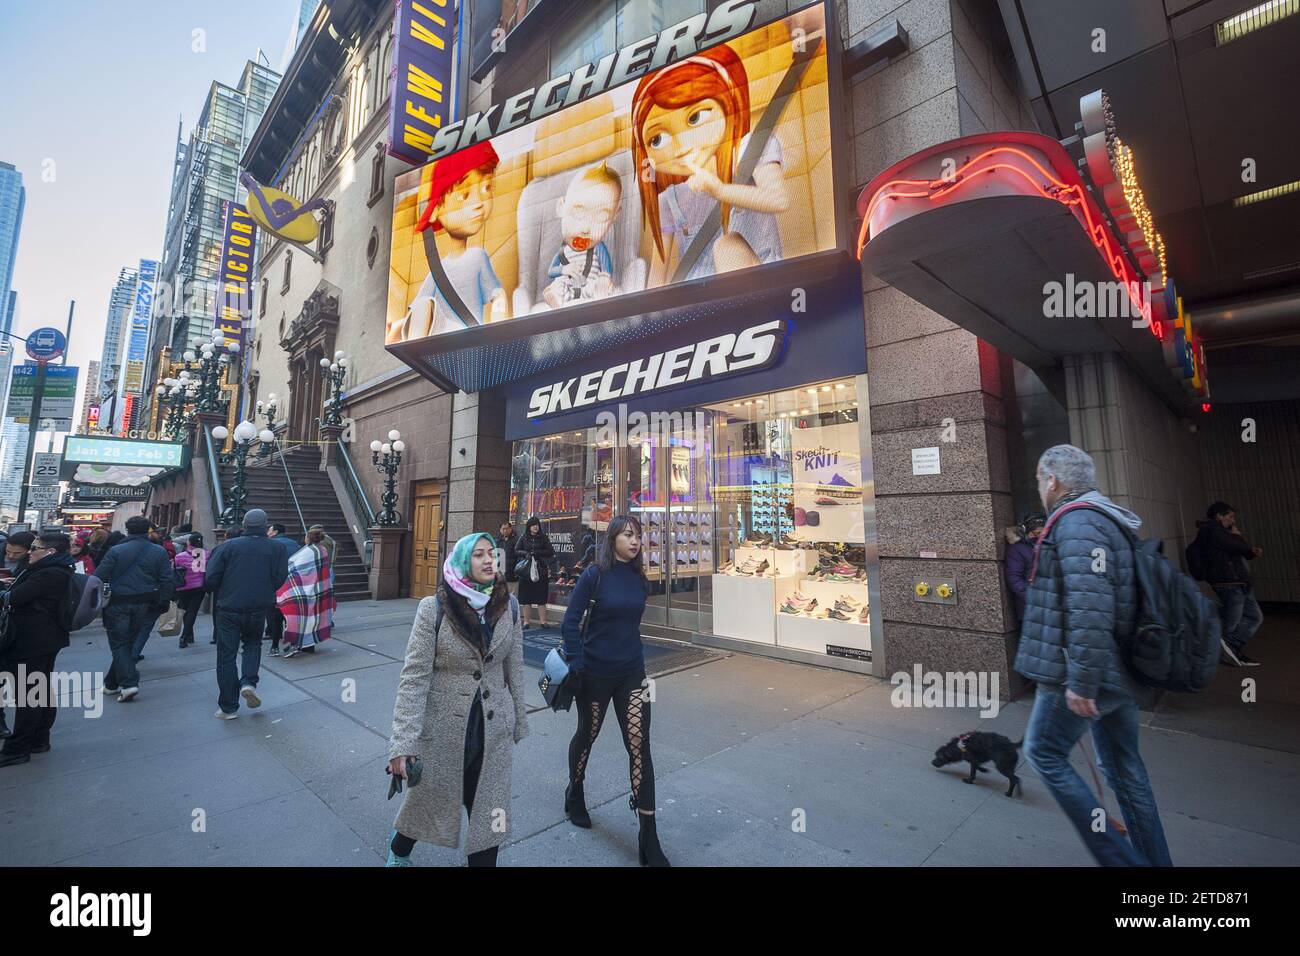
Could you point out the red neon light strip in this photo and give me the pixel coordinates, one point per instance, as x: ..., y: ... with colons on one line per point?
x: 1064, y: 193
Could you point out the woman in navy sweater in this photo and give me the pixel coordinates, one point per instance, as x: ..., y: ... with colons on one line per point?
x: 609, y: 667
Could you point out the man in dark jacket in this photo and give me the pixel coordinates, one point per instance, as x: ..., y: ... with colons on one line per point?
x: 1083, y: 600
x: 245, y: 574
x: 1223, y: 552
x: 35, y: 600
x: 506, y: 541
x: 139, y: 575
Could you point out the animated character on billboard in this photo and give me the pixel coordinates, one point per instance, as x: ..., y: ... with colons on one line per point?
x: 584, y: 269
x: 691, y: 124
x: 460, y: 202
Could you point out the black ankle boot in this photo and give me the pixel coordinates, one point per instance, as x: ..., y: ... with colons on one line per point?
x: 648, y: 843
x: 575, y: 806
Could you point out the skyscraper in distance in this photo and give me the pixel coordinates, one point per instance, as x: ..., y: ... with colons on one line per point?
x: 12, y: 200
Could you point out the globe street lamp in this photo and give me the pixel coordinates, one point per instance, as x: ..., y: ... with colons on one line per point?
x: 334, y: 372
x: 213, y: 359
x: 244, y: 434
x: 391, y: 451
x: 268, y: 410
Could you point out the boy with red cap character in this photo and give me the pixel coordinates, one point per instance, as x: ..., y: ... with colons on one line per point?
x: 460, y: 202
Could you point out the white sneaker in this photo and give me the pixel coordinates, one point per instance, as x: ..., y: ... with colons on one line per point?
x: 126, y: 694
x: 222, y: 715
x: 249, y: 693
x: 1230, y: 654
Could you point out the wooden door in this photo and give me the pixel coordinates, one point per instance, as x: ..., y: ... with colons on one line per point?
x: 426, y: 553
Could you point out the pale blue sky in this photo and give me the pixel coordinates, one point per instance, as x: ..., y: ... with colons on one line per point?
x: 97, y: 87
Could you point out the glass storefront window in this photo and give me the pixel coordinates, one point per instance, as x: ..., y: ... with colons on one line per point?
x: 755, y: 513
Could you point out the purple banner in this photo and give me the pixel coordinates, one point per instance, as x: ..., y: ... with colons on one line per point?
x: 420, y: 103
x: 234, y: 309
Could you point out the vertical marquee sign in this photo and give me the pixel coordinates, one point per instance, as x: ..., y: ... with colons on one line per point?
x: 420, y: 100
x: 235, y: 293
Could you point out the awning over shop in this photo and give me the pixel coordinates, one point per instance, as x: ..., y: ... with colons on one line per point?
x: 1000, y: 234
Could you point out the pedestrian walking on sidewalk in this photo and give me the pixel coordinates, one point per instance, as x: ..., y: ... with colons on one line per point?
x: 145, y: 632
x: 467, y: 640
x: 244, y: 573
x: 139, y: 576
x: 535, y: 554
x: 1081, y: 606
x: 275, y: 619
x: 607, y: 666
x: 37, y: 635
x: 506, y: 542
x: 305, y: 601
x: 194, y: 562
x: 1223, y: 553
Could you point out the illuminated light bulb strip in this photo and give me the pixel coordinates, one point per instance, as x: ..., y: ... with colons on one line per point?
x: 1126, y: 171
x: 1062, y: 192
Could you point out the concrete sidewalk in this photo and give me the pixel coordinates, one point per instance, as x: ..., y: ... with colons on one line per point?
x: 745, y: 749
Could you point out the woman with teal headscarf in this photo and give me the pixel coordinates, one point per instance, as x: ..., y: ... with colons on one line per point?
x: 460, y: 709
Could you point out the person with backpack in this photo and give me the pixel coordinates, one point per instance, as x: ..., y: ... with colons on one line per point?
x: 1081, y: 606
x: 141, y: 583
x: 1219, y: 557
x: 244, y: 573
x: 35, y: 634
x: 460, y: 710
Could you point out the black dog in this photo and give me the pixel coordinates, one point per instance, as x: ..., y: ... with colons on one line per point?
x: 978, y: 749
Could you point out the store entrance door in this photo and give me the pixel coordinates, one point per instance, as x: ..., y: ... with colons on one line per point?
x: 426, y: 559
x: 667, y: 483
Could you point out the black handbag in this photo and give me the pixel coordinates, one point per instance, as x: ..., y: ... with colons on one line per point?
x: 557, y: 682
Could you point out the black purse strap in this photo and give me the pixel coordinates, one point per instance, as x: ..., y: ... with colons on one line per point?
x: 586, y: 614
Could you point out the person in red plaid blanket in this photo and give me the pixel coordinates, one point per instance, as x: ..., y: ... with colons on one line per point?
x: 306, y: 599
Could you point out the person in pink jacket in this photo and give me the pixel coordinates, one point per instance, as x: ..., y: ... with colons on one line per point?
x: 194, y: 561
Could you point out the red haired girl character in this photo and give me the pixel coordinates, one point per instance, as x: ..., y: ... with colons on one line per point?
x: 460, y: 203
x: 691, y: 125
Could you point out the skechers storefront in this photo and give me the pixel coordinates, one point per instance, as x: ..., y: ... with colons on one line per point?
x: 651, y: 276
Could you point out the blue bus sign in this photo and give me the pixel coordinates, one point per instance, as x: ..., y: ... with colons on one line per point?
x: 45, y: 345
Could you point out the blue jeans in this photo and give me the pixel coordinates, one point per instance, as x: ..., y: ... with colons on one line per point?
x: 142, y: 636
x: 1240, y: 614
x: 236, y: 629
x: 1053, y: 731
x: 124, y: 623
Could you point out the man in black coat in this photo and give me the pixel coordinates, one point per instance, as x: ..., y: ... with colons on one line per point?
x: 139, y: 575
x: 245, y: 574
x: 1224, y: 553
x: 1082, y: 601
x: 35, y: 600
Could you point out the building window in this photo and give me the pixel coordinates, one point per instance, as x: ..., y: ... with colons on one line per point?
x: 327, y: 228
x: 288, y: 266
x: 261, y: 302
x: 372, y: 247
x: 376, y: 174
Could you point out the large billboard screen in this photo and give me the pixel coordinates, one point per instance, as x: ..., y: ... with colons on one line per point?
x: 716, y: 162
x: 137, y: 339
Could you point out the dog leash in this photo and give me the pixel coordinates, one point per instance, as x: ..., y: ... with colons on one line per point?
x: 1117, y: 825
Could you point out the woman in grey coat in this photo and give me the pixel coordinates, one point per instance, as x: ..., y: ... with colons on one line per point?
x: 460, y: 709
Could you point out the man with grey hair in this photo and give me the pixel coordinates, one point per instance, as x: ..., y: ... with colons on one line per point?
x: 1081, y: 603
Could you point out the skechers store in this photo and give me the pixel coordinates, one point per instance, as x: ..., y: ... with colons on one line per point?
x: 648, y: 267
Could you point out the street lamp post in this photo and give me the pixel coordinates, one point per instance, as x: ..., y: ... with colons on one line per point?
x: 244, y: 434
x: 391, y: 452
x: 268, y: 410
x: 213, y: 358
x: 334, y: 372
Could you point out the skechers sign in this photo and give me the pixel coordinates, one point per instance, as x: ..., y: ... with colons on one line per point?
x: 752, y: 348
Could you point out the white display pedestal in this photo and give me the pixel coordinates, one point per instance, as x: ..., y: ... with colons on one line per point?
x: 745, y: 607
x: 813, y: 634
x: 781, y: 563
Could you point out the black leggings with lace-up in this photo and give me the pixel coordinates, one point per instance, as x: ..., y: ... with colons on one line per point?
x: 632, y: 709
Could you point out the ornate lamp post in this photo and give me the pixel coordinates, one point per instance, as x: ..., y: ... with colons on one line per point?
x: 174, y: 394
x: 245, y: 432
x: 391, y: 451
x: 268, y: 410
x: 213, y: 358
x: 334, y: 373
